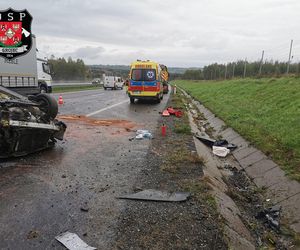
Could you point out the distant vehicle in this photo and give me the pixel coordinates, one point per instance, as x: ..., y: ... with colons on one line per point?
x: 96, y: 81
x: 20, y: 74
x: 146, y: 80
x: 44, y: 76
x: 113, y: 82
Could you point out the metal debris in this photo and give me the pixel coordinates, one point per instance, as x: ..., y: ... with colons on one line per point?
x: 73, y: 242
x: 156, y: 195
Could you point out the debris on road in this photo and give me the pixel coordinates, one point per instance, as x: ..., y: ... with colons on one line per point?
x: 28, y: 124
x: 32, y: 234
x: 171, y: 111
x: 271, y: 216
x: 156, y: 195
x: 141, y: 134
x: 220, y: 151
x: 206, y: 140
x: 165, y: 113
x: 73, y: 242
x: 127, y: 125
x: 220, y: 147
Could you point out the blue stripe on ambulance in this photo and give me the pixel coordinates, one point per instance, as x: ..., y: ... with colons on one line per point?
x: 140, y: 83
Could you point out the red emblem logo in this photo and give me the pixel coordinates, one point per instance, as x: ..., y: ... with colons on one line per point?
x: 11, y: 33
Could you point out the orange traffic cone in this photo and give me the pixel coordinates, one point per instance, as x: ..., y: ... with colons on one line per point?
x: 60, y: 100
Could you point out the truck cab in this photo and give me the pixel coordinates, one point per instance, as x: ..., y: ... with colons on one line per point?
x: 44, y: 76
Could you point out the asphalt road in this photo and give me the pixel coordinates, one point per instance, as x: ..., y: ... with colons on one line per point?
x: 70, y: 83
x: 73, y: 187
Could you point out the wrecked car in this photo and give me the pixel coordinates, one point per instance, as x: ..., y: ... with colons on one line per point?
x: 27, y: 124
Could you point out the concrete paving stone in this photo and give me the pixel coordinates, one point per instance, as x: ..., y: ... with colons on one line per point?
x: 210, y: 118
x: 270, y: 178
x: 252, y: 159
x: 240, y: 142
x: 243, y: 152
x: 217, y: 124
x: 227, y: 132
x: 283, y: 189
x: 260, y: 168
x: 229, y: 135
x: 291, y: 212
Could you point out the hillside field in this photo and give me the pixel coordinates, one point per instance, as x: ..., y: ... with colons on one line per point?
x: 265, y: 111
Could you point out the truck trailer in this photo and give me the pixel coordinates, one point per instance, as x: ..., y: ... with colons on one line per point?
x: 20, y: 74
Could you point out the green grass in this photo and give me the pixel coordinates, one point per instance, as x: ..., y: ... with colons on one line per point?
x: 182, y: 125
x: 71, y: 88
x: 265, y: 111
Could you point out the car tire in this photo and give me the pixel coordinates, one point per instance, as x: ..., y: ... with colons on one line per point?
x: 105, y: 88
x: 48, y: 104
x: 131, y: 100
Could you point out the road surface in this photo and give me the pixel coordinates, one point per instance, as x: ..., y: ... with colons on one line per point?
x: 73, y: 186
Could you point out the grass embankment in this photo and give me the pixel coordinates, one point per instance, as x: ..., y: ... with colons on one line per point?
x: 265, y: 111
x: 71, y: 88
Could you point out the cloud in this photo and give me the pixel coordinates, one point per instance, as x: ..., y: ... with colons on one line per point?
x: 87, y: 52
x: 182, y: 33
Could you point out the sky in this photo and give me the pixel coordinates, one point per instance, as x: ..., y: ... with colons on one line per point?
x: 177, y: 33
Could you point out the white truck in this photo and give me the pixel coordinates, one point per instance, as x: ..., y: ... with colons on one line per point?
x: 113, y: 82
x: 20, y: 74
x: 44, y: 76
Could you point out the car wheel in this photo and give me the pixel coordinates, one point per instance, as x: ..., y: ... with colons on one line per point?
x: 105, y: 88
x: 48, y: 104
x: 131, y: 100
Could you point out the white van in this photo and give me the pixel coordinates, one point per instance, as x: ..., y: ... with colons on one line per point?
x: 113, y: 82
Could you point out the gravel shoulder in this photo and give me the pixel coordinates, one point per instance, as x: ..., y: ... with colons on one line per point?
x: 171, y: 165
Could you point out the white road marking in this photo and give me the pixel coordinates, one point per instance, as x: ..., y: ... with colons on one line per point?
x: 109, y: 107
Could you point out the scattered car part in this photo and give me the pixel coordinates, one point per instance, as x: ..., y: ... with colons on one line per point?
x: 220, y: 151
x: 156, y: 195
x: 217, y: 143
x: 27, y: 124
x: 72, y: 242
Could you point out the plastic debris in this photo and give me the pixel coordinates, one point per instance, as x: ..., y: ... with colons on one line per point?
x: 156, y: 195
x: 220, y: 151
x: 218, y: 143
x: 141, y: 134
x: 72, y: 242
x: 171, y: 111
x: 165, y: 113
x: 206, y: 140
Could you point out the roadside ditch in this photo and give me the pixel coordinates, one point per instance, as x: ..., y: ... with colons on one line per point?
x: 252, y: 217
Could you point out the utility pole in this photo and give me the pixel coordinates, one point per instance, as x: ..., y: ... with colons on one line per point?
x: 261, y: 62
x: 233, y: 68
x: 225, y: 70
x: 245, y: 67
x: 289, y: 61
